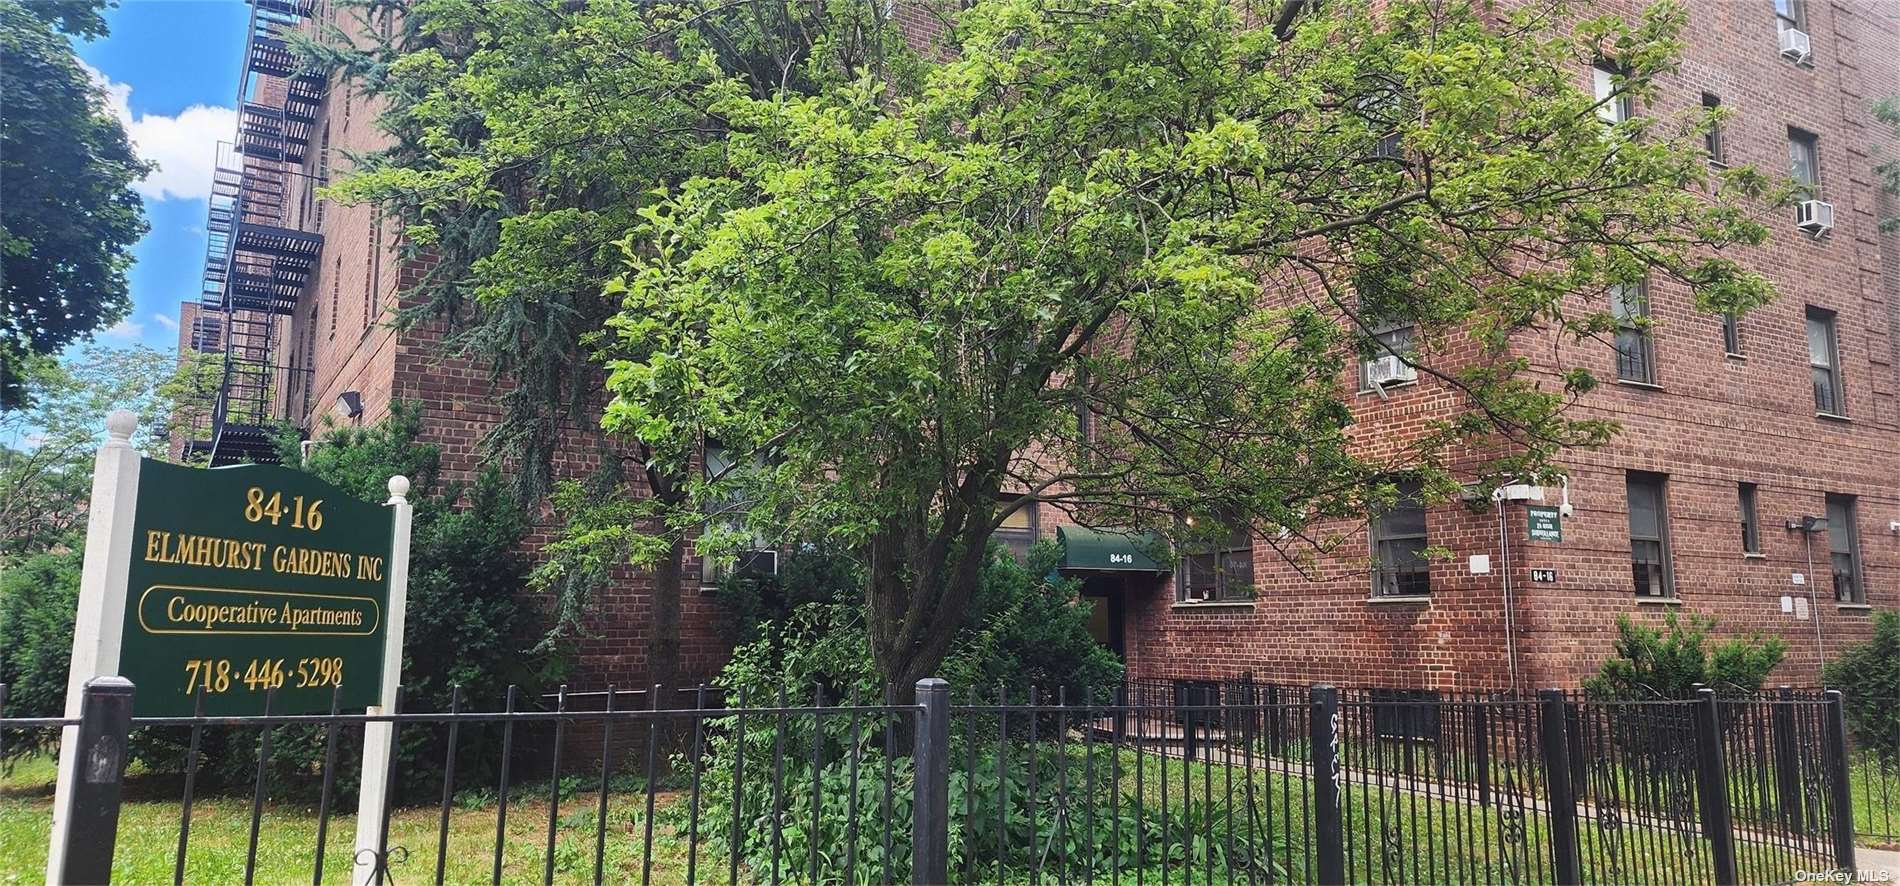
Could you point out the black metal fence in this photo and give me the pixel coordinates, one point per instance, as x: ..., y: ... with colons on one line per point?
x: 1184, y: 782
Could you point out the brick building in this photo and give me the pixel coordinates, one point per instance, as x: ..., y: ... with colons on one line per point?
x: 299, y: 292
x: 1732, y: 432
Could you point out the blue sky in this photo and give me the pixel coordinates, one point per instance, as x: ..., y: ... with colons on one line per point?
x: 170, y: 68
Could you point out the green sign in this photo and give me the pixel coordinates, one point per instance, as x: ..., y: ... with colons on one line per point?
x: 248, y: 579
x: 1546, y: 523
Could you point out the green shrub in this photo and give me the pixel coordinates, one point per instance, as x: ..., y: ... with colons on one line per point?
x: 38, y: 597
x: 1024, y: 627
x: 1006, y: 817
x: 1649, y: 664
x: 1868, y: 674
x: 803, y: 636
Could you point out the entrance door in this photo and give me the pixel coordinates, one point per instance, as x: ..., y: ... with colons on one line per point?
x: 1105, y: 595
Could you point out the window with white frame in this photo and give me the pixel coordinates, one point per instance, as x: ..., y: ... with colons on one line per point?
x: 1613, y: 105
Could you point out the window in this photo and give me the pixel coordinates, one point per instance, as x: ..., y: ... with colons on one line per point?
x: 1399, y: 567
x: 1751, y: 521
x: 336, y: 281
x: 1649, y: 536
x: 1804, y: 163
x: 372, y: 272
x: 1731, y: 335
x: 1389, y: 359
x: 1613, y: 106
x: 1382, y: 107
x: 1791, y: 15
x: 1712, y: 140
x: 1635, y: 349
x: 1222, y: 572
x: 726, y: 511
x: 323, y: 174
x: 1824, y: 363
x: 1843, y: 542
x: 1018, y: 530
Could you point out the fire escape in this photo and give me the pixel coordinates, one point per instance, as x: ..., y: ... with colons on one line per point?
x: 261, y: 250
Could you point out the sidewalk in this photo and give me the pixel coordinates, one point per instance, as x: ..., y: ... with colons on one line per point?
x: 1878, y: 865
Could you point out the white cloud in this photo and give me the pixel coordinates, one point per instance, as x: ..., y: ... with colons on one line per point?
x: 166, y: 321
x: 124, y: 330
x: 185, y: 146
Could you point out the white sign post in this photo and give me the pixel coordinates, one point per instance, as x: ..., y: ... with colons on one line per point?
x: 371, y: 863
x: 101, y: 615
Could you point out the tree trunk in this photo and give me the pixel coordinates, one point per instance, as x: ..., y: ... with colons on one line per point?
x: 663, y: 648
x: 914, y: 617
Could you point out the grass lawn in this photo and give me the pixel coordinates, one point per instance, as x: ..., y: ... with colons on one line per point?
x: 220, y: 833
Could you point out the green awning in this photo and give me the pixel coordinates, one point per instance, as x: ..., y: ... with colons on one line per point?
x: 1107, y: 550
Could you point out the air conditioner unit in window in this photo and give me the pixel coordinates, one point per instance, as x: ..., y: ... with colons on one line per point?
x: 745, y: 564
x: 756, y: 564
x: 1815, y: 217
x: 1795, y: 44
x: 1389, y: 370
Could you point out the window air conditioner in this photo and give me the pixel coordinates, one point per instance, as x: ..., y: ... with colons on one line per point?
x: 1795, y: 44
x: 757, y: 564
x: 1389, y: 370
x: 1816, y: 217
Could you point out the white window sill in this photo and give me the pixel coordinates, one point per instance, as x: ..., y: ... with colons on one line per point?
x: 1754, y: 555
x: 1221, y: 604
x: 1833, y: 416
x: 1639, y: 385
x: 1395, y: 386
x: 1659, y: 601
x: 1854, y: 607
x: 1414, y: 599
x: 1734, y: 356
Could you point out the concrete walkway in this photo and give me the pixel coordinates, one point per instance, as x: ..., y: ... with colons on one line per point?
x: 1878, y: 865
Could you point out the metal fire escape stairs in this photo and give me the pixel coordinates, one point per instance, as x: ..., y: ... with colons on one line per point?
x: 258, y: 259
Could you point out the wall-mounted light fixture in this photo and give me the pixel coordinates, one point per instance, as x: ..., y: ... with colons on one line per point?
x: 350, y: 403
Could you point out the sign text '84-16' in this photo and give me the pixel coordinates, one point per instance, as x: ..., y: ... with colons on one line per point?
x: 249, y: 579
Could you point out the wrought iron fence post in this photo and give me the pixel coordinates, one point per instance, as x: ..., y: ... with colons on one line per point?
x: 1787, y: 761
x: 1712, y: 776
x: 105, y: 720
x: 1554, y: 744
x: 1329, y: 838
x: 930, y: 811
x: 1840, y: 797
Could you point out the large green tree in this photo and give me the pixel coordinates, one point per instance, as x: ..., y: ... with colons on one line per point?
x: 525, y: 137
x: 46, y: 448
x: 1180, y: 218
x: 68, y: 214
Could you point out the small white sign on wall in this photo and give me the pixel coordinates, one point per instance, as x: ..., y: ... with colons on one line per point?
x: 1798, y: 579
x: 1787, y: 604
x: 1801, y: 608
x: 1480, y: 564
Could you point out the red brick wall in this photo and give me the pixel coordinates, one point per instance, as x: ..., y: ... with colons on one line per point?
x: 1714, y: 422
